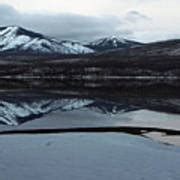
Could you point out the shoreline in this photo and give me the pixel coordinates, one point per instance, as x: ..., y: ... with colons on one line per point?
x: 161, y: 127
x: 166, y: 136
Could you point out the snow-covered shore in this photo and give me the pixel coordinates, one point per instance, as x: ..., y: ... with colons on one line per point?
x: 86, y: 156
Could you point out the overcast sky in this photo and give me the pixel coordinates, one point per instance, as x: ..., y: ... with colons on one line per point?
x: 86, y: 20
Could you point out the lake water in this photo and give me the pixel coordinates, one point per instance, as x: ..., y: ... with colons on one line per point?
x: 134, y: 107
x: 78, y: 130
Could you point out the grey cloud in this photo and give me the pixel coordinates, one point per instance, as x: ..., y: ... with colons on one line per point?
x: 7, y: 13
x: 135, y: 16
x: 7, y: 10
x: 64, y: 26
x: 73, y: 26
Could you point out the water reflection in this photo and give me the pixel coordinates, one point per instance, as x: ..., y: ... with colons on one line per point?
x: 17, y: 111
x: 22, y: 101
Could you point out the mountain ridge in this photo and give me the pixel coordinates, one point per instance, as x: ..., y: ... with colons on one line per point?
x: 17, y: 39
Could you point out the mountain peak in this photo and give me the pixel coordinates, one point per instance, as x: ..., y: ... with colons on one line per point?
x: 112, y: 42
x: 117, y: 38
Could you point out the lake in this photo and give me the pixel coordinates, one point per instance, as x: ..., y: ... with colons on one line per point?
x: 76, y: 130
x: 141, y: 107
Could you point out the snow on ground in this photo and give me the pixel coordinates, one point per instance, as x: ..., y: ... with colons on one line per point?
x: 87, y: 157
x: 148, y: 118
x: 161, y: 137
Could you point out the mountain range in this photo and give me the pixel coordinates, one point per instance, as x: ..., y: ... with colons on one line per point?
x: 19, y: 40
x: 68, y: 60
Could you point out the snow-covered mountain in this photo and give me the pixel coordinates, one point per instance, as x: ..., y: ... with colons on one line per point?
x: 112, y: 42
x: 17, y: 39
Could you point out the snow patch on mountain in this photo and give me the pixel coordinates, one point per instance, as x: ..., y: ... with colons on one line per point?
x: 77, y: 47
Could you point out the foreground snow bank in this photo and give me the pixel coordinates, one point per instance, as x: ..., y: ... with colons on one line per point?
x: 87, y: 156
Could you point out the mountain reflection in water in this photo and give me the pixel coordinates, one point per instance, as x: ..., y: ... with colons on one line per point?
x: 27, y: 101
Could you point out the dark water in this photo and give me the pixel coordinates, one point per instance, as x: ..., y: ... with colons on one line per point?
x: 28, y: 100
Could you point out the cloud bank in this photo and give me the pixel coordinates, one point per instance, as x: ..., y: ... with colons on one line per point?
x: 69, y: 26
x: 132, y: 24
